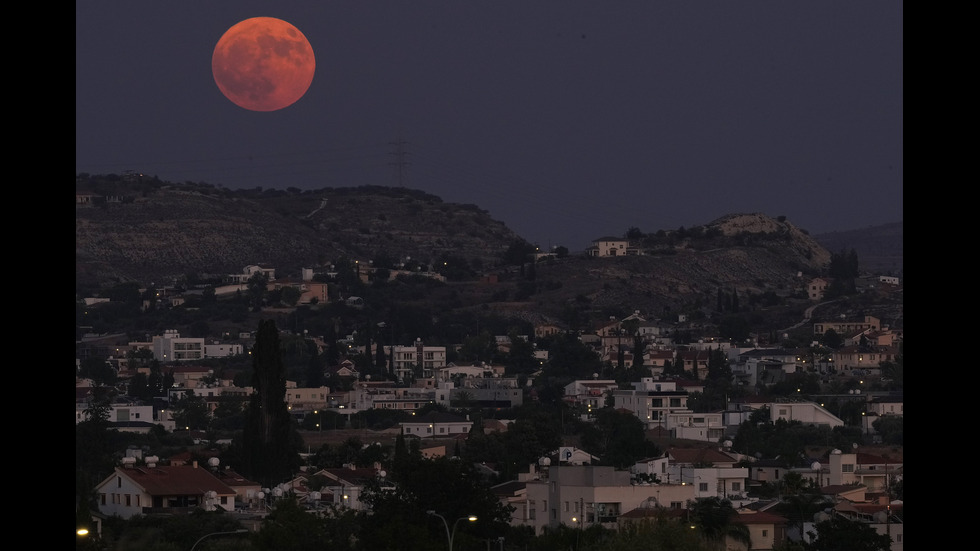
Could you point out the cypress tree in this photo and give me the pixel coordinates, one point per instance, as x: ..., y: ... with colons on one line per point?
x: 270, y: 441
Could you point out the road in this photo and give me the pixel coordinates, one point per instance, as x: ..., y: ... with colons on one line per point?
x: 808, y: 315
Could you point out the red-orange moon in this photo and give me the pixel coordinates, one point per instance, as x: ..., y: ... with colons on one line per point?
x: 263, y: 64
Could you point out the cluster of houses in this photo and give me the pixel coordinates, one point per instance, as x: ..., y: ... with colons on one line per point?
x: 563, y: 488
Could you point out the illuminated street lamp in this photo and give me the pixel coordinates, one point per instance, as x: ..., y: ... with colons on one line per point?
x: 451, y: 535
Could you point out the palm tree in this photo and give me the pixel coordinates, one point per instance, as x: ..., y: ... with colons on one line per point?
x: 714, y: 517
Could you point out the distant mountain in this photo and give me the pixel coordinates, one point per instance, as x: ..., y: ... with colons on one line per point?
x: 879, y: 248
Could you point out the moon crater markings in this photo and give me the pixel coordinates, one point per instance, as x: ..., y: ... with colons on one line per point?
x: 263, y: 64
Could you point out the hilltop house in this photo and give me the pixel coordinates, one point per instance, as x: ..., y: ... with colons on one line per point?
x: 817, y: 287
x: 608, y: 246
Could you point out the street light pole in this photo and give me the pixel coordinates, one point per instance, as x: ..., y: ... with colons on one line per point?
x: 242, y: 531
x: 451, y: 535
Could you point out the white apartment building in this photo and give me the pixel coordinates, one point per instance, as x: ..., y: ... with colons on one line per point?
x: 407, y: 359
x: 652, y: 401
x: 171, y: 347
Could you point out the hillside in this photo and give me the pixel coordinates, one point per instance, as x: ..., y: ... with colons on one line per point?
x: 156, y: 232
x: 879, y: 248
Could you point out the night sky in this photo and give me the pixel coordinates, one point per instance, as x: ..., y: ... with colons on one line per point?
x: 567, y: 120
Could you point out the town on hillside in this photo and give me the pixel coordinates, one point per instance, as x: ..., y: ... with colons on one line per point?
x: 636, y: 421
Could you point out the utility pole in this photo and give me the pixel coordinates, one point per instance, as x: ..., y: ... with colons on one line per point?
x: 399, y: 163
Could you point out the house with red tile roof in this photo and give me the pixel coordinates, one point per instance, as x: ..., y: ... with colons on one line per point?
x: 765, y: 529
x: 140, y: 490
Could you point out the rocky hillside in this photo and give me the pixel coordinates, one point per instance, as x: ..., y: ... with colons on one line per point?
x: 158, y: 232
x: 750, y: 254
x: 155, y: 232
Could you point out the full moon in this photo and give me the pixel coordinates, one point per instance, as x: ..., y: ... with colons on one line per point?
x: 263, y: 64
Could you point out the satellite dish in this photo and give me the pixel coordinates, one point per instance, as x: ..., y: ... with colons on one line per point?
x: 835, y: 451
x: 854, y: 445
x: 277, y: 491
x: 727, y: 443
x: 314, y: 495
x: 382, y: 474
x: 214, y: 461
x: 815, y: 466
x: 544, y: 462
x: 260, y: 495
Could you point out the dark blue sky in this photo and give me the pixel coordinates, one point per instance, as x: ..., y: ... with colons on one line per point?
x: 567, y: 120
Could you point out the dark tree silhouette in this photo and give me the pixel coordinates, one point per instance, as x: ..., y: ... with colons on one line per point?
x: 270, y: 442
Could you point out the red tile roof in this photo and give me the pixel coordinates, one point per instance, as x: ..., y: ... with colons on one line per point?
x: 699, y: 455
x: 759, y: 517
x: 172, y: 481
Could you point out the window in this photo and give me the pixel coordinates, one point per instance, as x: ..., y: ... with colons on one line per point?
x: 129, y: 500
x: 703, y: 487
x: 675, y: 504
x: 736, y: 486
x: 765, y: 533
x: 847, y: 468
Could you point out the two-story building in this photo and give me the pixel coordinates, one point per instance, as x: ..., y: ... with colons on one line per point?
x: 437, y: 424
x: 610, y: 246
x: 587, y: 495
x: 590, y: 394
x: 651, y: 401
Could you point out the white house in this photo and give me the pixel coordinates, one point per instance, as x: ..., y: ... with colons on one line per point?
x: 583, y: 496
x: 436, y: 424
x: 139, y: 490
